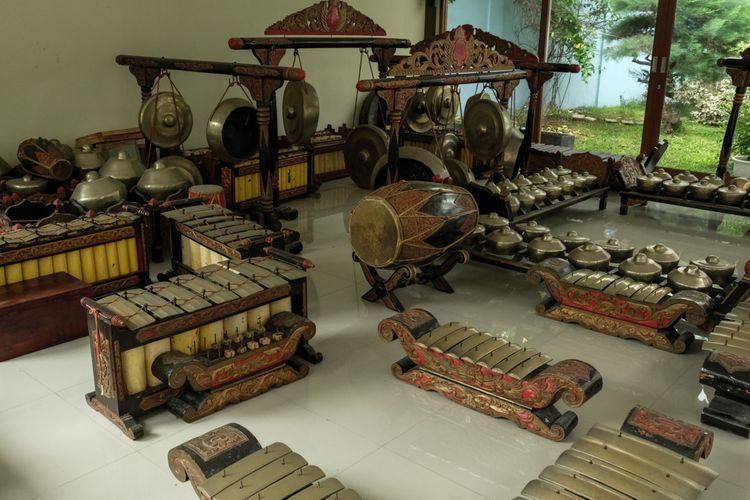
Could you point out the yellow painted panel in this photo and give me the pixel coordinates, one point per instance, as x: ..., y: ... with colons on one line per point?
x: 100, y: 263
x: 13, y: 273
x: 134, y: 369
x: 60, y: 263
x: 2, y: 276
x: 186, y: 342
x: 153, y: 349
x: 74, y: 264
x: 88, y: 266
x: 30, y: 269
x: 113, y: 265
x: 211, y: 334
x: 133, y: 255
x: 122, y: 257
x: 45, y: 266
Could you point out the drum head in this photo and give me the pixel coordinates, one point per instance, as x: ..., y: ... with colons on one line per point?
x: 165, y: 119
x: 486, y: 129
x: 300, y: 109
x: 375, y: 232
x: 365, y: 145
x: 416, y: 116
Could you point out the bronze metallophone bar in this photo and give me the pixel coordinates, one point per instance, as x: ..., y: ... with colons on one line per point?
x: 651, y: 456
x: 199, y: 341
x: 106, y: 251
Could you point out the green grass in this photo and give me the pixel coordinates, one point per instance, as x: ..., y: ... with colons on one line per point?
x: 693, y: 146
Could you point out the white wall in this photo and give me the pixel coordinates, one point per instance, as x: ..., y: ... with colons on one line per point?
x: 59, y: 77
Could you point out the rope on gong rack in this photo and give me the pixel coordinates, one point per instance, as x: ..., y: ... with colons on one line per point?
x: 380, y: 108
x: 356, y: 92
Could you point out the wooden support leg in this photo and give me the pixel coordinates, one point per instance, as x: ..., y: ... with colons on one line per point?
x: 384, y: 289
x: 435, y: 274
x: 603, y: 201
x: 623, y: 205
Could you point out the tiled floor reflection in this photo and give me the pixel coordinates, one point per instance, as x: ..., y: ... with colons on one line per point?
x: 384, y: 438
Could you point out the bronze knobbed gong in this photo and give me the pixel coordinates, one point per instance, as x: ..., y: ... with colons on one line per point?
x: 487, y: 128
x: 365, y: 145
x: 300, y: 109
x: 166, y: 119
x: 442, y: 104
x: 416, y: 116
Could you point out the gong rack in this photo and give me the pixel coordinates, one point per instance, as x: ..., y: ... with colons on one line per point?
x: 261, y: 81
x: 463, y: 55
x: 313, y: 28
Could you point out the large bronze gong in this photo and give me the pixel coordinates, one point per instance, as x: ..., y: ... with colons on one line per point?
x: 300, y: 109
x: 365, y: 145
x: 442, y: 104
x: 474, y: 99
x: 510, y: 153
x: 486, y: 129
x: 416, y: 116
x: 373, y: 111
x: 232, y: 130
x: 414, y: 164
x: 165, y: 119
x: 459, y: 171
x: 411, y: 222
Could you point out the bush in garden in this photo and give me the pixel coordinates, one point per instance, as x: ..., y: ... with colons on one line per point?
x: 709, y: 103
x: 741, y: 144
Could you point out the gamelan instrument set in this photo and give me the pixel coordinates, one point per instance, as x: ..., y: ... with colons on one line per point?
x: 200, y: 341
x: 229, y: 321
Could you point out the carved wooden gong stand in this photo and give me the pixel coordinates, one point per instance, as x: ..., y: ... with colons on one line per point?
x: 329, y: 24
x: 261, y: 81
x: 463, y: 55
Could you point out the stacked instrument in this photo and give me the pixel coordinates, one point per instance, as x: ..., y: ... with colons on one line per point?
x: 199, y: 341
x: 229, y: 463
x: 489, y: 374
x: 651, y: 456
x: 106, y: 251
x: 206, y: 234
x: 328, y: 155
x: 727, y: 368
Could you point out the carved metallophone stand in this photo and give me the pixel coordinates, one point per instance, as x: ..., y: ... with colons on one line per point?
x: 488, y: 374
x: 727, y: 366
x: 651, y: 456
x: 651, y: 324
x: 229, y: 463
x: 404, y: 275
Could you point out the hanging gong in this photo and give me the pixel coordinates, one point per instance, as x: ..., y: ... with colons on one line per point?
x: 459, y: 172
x: 365, y: 145
x: 414, y: 164
x: 474, y: 99
x: 373, y: 111
x: 510, y: 154
x: 415, y: 116
x: 449, y: 146
x: 232, y: 131
x: 300, y: 110
x: 442, y: 104
x: 486, y: 129
x: 165, y: 119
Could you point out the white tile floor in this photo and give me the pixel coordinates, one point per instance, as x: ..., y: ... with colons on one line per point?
x: 386, y: 439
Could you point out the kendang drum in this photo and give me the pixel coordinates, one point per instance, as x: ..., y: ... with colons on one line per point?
x: 211, y: 194
x: 411, y: 222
